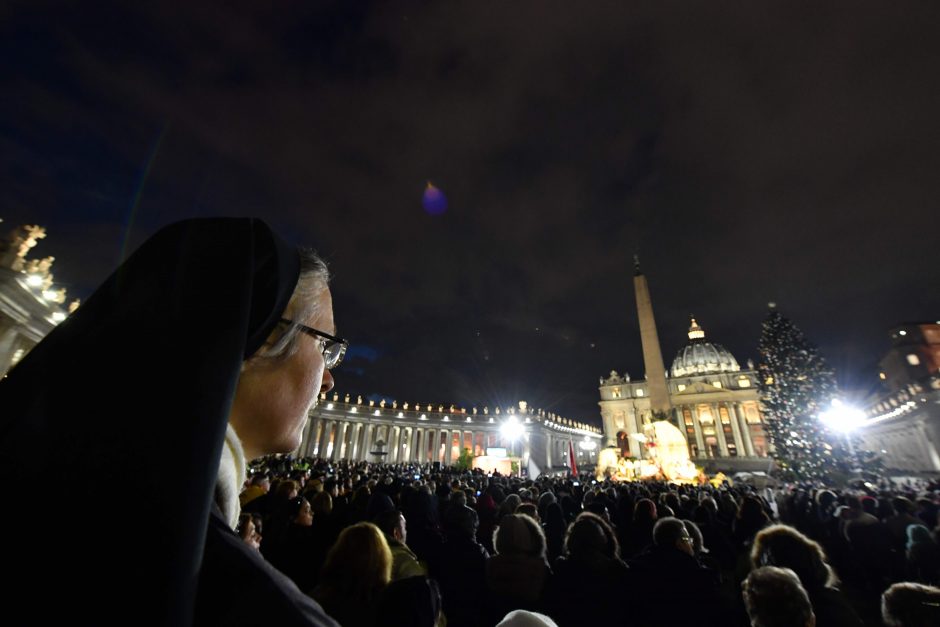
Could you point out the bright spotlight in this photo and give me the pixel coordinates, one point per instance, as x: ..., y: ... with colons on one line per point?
x: 842, y: 417
x: 34, y: 280
x: 511, y: 430
x: 587, y: 445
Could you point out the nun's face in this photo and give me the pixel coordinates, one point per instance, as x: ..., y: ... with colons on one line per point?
x: 274, y: 397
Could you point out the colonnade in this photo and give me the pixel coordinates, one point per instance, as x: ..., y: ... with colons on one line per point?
x: 400, y: 442
x: 334, y: 436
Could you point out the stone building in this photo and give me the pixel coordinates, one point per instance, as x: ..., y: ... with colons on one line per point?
x: 705, y: 393
x: 30, y: 305
x: 343, y: 428
x: 903, y: 420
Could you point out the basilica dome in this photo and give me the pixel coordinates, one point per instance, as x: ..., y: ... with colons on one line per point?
x: 701, y: 357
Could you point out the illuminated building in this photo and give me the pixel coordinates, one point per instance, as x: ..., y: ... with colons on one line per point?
x: 342, y: 428
x: 903, y: 422
x: 705, y: 393
x: 30, y: 305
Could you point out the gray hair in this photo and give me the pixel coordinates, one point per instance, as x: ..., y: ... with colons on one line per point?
x: 313, y: 280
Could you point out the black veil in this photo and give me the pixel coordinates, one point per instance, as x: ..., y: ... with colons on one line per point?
x: 111, y: 428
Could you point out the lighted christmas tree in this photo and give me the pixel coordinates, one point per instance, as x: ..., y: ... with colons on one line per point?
x: 796, y: 384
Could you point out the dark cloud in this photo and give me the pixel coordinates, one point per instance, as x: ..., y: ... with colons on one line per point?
x: 768, y: 152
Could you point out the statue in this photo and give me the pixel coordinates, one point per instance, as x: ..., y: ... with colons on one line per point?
x: 14, y: 249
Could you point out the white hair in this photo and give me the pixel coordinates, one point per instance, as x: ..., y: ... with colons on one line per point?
x: 313, y: 280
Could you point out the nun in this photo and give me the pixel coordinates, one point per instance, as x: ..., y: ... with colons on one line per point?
x: 134, y: 420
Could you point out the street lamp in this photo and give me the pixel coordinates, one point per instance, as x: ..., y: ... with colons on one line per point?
x: 512, y: 431
x: 845, y: 419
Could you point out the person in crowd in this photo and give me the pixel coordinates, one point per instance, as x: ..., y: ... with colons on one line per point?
x: 531, y: 510
x: 206, y: 348
x: 774, y: 597
x: 670, y: 565
x: 404, y: 562
x: 750, y: 519
x: 641, y: 532
x: 591, y: 568
x: 259, y: 485
x: 357, y: 571
x: 909, y: 604
x: 783, y: 546
x: 525, y: 618
x: 462, y: 570
x: 923, y: 555
x: 901, y: 517
x: 517, y: 573
x: 295, y: 545
x: 555, y: 529
x: 247, y: 531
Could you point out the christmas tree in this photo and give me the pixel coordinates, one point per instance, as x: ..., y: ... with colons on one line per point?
x: 795, y: 385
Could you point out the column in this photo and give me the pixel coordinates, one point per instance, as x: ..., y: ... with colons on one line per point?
x: 394, y: 440
x: 367, y: 439
x: 414, y: 445
x: 548, y: 451
x: 324, y: 439
x: 338, y: 441
x: 353, y: 449
x: 442, y: 456
x: 634, y: 425
x: 8, y: 345
x: 699, y: 438
x: 745, y: 429
x: 735, y: 430
x: 719, y: 431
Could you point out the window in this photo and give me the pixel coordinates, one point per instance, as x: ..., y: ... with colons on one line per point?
x: 616, y: 393
x: 751, y: 415
x: 744, y: 382
x: 913, y: 359
x: 717, y: 384
x: 639, y: 391
x: 681, y: 387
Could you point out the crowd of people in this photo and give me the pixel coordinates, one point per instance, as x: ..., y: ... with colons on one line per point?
x: 161, y: 392
x: 445, y: 546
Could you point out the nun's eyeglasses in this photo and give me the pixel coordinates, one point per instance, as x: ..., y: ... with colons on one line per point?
x: 333, y: 348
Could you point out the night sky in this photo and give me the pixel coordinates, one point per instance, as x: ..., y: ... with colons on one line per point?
x: 786, y: 152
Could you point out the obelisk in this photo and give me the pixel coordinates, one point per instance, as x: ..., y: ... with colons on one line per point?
x: 652, y: 354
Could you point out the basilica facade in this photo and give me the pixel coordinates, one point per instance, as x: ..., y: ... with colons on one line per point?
x: 705, y: 393
x: 713, y: 401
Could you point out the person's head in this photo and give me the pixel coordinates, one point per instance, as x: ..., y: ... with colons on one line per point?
x: 322, y: 504
x: 262, y: 481
x: 671, y: 532
x: 458, y: 497
x: 698, y: 543
x: 910, y: 604
x: 529, y: 509
x: 359, y: 566
x: 780, y: 545
x: 299, y: 511
x: 393, y: 525
x: 286, y: 490
x: 590, y: 534
x: 902, y: 505
x: 518, y: 534
x: 247, y: 531
x: 644, y: 511
x: 461, y: 522
x: 281, y: 382
x: 774, y: 597
x: 918, y: 534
